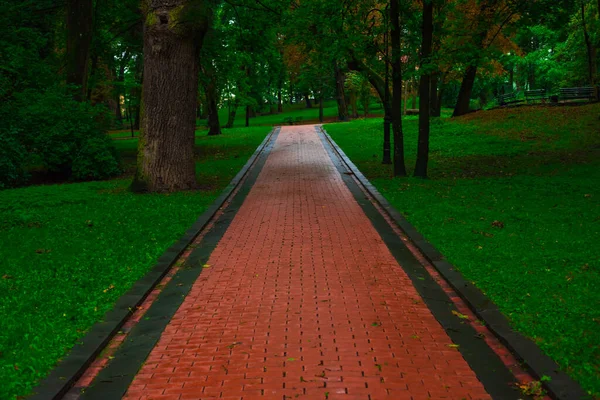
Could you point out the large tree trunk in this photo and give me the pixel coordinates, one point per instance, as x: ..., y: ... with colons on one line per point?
x: 340, y: 94
x: 212, y: 108
x: 396, y: 114
x: 464, y: 94
x: 80, y: 15
x: 171, y: 52
x: 424, y: 92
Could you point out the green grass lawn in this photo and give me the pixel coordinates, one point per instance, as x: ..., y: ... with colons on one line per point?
x: 69, y: 251
x: 536, y: 170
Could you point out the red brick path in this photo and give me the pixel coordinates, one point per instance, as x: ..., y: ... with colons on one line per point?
x: 302, y: 299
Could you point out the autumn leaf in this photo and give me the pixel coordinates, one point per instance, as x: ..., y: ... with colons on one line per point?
x: 459, y: 315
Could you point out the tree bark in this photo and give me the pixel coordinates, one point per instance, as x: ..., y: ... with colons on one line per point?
x: 435, y: 108
x: 80, y: 16
x: 321, y: 107
x: 591, y: 53
x: 279, y: 101
x: 340, y: 95
x: 396, y: 112
x: 171, y: 51
x: 212, y: 108
x: 247, y: 116
x: 232, y: 112
x: 466, y: 89
x: 307, y: 99
x: 424, y: 92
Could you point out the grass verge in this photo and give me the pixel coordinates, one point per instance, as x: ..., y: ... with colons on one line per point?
x: 69, y: 251
x: 514, y: 204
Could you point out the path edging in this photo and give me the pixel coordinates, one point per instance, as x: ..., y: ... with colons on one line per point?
x: 66, y: 373
x: 560, y: 386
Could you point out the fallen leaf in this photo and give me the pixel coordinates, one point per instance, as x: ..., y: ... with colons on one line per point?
x: 459, y: 315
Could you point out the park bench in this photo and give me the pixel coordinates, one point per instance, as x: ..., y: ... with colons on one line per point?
x: 579, y: 93
x: 509, y: 98
x: 537, y: 94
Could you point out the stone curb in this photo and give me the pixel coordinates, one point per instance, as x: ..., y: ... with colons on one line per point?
x: 560, y: 386
x: 86, y: 350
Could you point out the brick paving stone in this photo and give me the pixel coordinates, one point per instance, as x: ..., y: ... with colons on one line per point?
x: 303, y: 300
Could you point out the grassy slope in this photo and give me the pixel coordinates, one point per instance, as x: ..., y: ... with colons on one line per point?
x: 69, y: 251
x: 536, y: 170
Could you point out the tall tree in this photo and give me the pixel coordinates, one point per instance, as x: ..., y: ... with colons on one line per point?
x: 425, y: 91
x: 80, y: 15
x: 173, y: 34
x: 395, y: 33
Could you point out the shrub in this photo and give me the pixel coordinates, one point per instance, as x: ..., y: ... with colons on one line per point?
x: 96, y: 159
x: 12, y: 161
x: 62, y: 132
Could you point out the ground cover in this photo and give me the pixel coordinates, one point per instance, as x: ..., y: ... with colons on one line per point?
x: 514, y: 203
x: 69, y: 251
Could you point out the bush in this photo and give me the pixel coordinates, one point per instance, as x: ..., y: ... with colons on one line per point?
x: 12, y: 161
x: 97, y: 159
x: 61, y: 132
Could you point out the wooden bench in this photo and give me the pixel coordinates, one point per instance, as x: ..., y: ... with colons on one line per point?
x: 537, y: 94
x: 509, y: 98
x: 579, y: 93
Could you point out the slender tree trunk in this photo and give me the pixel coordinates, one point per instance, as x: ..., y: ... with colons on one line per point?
x: 307, y: 99
x: 80, y: 16
x: 279, y: 101
x: 212, y: 108
x: 433, y: 96
x: 232, y: 112
x: 591, y: 53
x: 464, y: 94
x: 321, y: 107
x: 415, y: 91
x: 396, y: 114
x: 247, y: 116
x: 171, y: 51
x: 119, y: 88
x: 340, y: 95
x: 424, y: 92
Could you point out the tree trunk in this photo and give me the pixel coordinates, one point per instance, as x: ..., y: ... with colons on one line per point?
x: 591, y: 53
x: 307, y: 99
x: 396, y: 114
x: 232, y: 112
x: 212, y: 108
x: 435, y: 108
x: 80, y: 16
x: 321, y: 107
x: 166, y: 145
x: 247, y: 116
x: 340, y: 95
x: 424, y: 92
x: 279, y: 101
x: 415, y: 90
x: 119, y: 88
x: 464, y: 94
